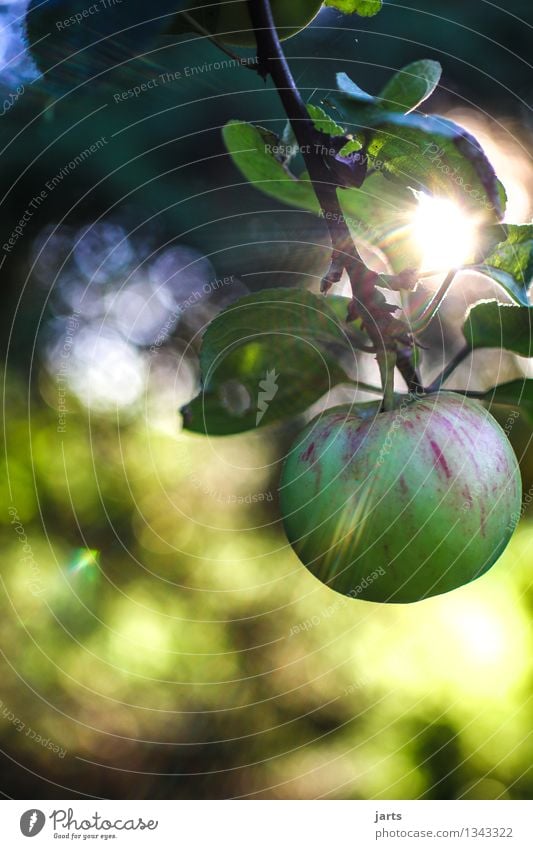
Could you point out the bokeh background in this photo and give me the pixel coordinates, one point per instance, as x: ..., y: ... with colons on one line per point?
x: 158, y: 638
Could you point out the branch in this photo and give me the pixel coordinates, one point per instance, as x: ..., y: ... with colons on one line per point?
x: 409, y: 372
x: 367, y: 302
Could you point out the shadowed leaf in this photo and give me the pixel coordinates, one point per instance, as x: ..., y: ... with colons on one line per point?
x: 268, y: 357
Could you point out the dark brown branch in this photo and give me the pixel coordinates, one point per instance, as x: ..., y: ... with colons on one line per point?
x: 408, y: 371
x: 367, y: 303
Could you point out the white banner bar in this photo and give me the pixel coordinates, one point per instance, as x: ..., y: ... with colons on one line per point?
x: 268, y: 824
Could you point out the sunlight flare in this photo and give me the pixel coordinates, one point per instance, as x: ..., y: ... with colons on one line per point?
x: 444, y: 233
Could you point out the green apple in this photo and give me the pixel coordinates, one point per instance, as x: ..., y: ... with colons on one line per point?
x: 402, y: 505
x: 230, y: 21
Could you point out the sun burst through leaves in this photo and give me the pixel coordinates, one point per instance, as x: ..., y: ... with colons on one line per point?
x: 444, y: 233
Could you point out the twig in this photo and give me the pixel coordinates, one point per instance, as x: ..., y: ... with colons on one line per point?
x: 426, y: 317
x: 450, y: 368
x: 367, y: 387
x: 387, y: 362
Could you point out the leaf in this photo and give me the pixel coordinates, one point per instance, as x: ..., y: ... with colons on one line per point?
x: 493, y: 325
x: 378, y: 214
x: 364, y: 8
x: 352, y: 90
x: 515, y: 393
x: 411, y: 86
x: 265, y: 358
x: 256, y: 157
x: 323, y: 122
x: 431, y: 154
x: 375, y: 213
x: 510, y: 263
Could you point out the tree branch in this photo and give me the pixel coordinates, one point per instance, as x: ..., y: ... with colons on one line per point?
x: 367, y: 302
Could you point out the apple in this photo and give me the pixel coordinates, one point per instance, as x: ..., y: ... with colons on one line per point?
x: 231, y: 23
x: 402, y: 505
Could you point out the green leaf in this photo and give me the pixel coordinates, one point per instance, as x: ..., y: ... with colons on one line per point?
x: 255, y: 153
x: 323, y: 122
x: 435, y: 155
x: 267, y: 357
x: 378, y: 214
x: 364, y: 8
x: 431, y: 154
x: 493, y: 325
x: 515, y: 393
x: 352, y: 90
x: 411, y: 86
x: 350, y: 147
x: 510, y: 263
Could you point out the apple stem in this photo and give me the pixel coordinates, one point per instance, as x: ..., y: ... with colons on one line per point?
x: 387, y: 365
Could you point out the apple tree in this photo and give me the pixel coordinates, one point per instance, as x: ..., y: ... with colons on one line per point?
x: 418, y: 492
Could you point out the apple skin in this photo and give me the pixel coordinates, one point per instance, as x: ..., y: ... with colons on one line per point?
x: 231, y: 22
x: 402, y: 505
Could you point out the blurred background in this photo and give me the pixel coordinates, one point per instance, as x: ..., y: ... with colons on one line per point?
x: 158, y: 637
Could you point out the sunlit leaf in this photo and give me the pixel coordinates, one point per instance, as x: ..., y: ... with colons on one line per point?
x: 324, y: 122
x: 364, y: 8
x: 411, y: 86
x: 352, y: 90
x: 351, y: 146
x: 435, y: 155
x: 493, y: 325
x: 254, y: 152
x: 510, y: 262
x: 379, y: 214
